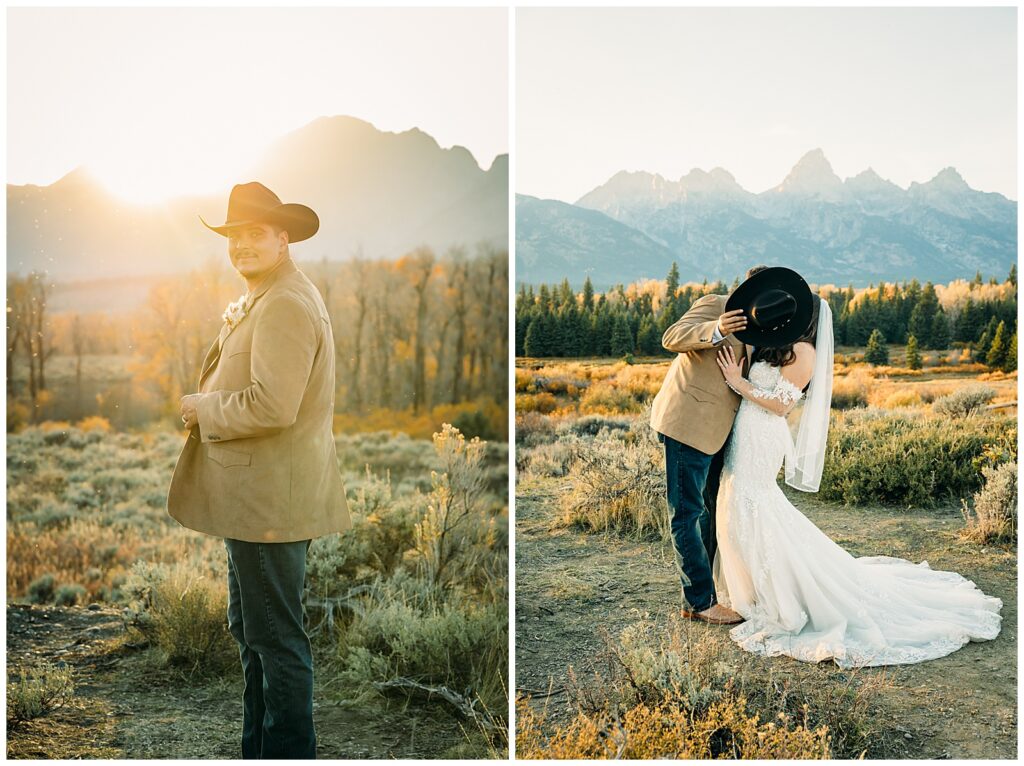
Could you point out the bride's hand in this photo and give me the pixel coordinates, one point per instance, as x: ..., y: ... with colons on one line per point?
x: 729, y: 366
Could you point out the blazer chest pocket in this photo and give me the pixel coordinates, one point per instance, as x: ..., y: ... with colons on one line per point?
x: 228, y: 458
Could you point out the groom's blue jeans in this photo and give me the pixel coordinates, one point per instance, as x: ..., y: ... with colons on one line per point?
x: 265, y: 617
x: 692, y: 478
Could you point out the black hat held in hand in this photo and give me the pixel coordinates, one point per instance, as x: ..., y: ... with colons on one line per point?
x: 778, y: 305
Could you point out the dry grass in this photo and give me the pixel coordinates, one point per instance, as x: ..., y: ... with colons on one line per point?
x: 677, y: 691
x: 664, y: 731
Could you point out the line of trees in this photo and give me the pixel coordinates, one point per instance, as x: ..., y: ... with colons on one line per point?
x: 556, y: 321
x: 409, y: 334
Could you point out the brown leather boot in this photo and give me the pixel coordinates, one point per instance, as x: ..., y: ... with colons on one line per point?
x: 716, y: 615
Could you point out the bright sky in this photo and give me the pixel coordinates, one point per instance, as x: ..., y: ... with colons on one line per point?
x: 907, y: 91
x: 163, y: 102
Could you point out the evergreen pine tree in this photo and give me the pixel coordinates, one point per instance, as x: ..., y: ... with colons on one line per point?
x: 534, y: 343
x: 985, y: 341
x: 913, y: 355
x: 602, y: 332
x: 1010, y: 362
x: 996, y: 356
x: 969, y: 323
x: 672, y: 283
x: 569, y: 321
x: 940, y: 331
x: 648, y: 339
x: 877, y: 351
x: 923, y: 316
x: 621, y: 341
x: 977, y: 279
x: 1012, y: 278
x: 565, y: 293
x: 588, y: 295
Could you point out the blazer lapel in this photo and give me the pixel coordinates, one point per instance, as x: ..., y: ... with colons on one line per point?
x: 287, y: 266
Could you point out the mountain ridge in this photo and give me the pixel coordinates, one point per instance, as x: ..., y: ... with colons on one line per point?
x: 862, y: 229
x: 378, y: 193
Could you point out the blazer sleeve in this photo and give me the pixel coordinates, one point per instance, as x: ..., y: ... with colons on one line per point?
x: 694, y: 329
x: 284, y: 345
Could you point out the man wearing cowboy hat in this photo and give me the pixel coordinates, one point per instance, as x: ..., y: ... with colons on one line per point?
x: 260, y: 466
x: 693, y: 415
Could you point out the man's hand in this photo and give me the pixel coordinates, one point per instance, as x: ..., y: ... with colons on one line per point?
x: 731, y: 321
x: 189, y: 414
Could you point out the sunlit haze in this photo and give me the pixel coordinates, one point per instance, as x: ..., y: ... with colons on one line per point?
x: 157, y: 103
x: 906, y: 91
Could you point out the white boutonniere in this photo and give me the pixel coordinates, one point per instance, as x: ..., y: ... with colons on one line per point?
x: 236, y: 311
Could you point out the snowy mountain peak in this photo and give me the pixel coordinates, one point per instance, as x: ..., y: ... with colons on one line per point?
x: 949, y: 178
x: 812, y: 175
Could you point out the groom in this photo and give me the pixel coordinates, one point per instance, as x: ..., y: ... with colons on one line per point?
x: 693, y: 415
x: 260, y: 466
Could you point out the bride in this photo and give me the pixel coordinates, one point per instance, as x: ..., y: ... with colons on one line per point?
x: 801, y: 594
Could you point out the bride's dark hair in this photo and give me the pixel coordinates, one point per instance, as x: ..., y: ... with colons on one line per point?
x: 785, y: 355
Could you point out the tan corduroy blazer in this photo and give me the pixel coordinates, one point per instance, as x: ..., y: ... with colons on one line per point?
x: 262, y: 465
x: 694, y: 405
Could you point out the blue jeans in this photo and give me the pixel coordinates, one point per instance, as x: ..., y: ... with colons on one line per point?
x: 692, y: 479
x: 265, y: 617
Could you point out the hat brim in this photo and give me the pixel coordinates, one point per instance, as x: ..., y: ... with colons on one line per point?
x: 780, y: 278
x: 299, y: 221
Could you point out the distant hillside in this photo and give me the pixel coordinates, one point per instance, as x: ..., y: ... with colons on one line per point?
x: 860, y: 230
x: 377, y: 193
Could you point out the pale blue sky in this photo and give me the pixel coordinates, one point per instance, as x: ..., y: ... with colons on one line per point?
x: 161, y: 101
x: 907, y: 91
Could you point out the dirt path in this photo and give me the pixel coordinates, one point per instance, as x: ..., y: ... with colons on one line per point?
x: 125, y: 707
x: 569, y: 584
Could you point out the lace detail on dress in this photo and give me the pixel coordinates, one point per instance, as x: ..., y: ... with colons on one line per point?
x: 775, y: 385
x: 804, y: 596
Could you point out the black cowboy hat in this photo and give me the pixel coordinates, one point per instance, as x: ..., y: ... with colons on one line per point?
x: 778, y: 305
x: 255, y: 203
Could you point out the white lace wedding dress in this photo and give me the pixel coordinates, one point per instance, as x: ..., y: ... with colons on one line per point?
x: 804, y: 596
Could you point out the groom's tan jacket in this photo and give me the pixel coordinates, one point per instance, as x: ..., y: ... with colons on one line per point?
x: 694, y: 405
x: 261, y: 465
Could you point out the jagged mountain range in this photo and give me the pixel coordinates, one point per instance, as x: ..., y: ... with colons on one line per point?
x: 859, y: 230
x: 377, y: 193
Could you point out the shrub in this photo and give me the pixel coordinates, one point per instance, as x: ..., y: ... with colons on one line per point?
x: 614, y: 485
x: 993, y: 516
x: 407, y: 629
x: 533, y: 429
x: 94, y: 423
x: 550, y: 459
x: 18, y: 415
x: 897, y: 459
x: 542, y: 402
x: 477, y: 423
x: 850, y: 391
x: 524, y: 382
x: 905, y: 398
x: 966, y: 401
x: 70, y: 595
x: 183, y: 616
x: 592, y: 425
x: 41, y: 589
x: 664, y: 731
x: 606, y: 397
x: 36, y: 691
